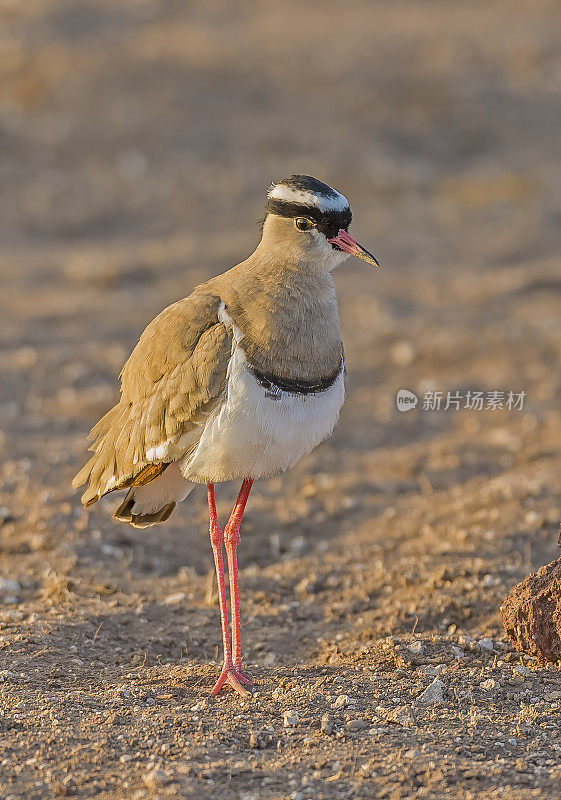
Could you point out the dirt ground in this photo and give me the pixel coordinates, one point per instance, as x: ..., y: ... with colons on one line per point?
x: 137, y: 141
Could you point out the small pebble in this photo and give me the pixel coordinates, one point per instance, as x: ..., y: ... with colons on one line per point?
x: 306, y: 586
x: 9, y: 585
x: 417, y: 647
x: 341, y: 701
x: 156, y: 778
x: 298, y: 545
x: 356, y: 725
x: 486, y: 644
x: 489, y: 685
x: 175, y: 599
x: 290, y: 718
x: 326, y: 725
x: 434, y: 693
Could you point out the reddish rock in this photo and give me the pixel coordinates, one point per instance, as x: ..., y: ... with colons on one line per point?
x: 531, y: 613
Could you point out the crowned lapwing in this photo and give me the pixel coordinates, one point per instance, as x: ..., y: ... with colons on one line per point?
x: 237, y: 381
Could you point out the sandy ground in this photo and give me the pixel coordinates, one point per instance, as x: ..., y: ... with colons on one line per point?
x: 137, y: 140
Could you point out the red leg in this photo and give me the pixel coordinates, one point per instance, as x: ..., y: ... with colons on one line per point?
x: 228, y: 673
x: 232, y: 539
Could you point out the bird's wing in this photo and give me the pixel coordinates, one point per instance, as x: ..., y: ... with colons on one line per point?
x: 169, y: 385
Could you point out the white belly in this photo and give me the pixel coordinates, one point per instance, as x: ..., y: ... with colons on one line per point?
x: 256, y: 433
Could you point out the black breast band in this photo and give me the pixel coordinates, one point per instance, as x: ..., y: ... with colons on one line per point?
x: 273, y: 382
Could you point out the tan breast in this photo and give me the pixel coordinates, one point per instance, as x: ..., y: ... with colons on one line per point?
x: 289, y: 318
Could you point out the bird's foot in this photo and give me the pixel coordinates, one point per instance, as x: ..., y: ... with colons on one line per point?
x: 237, y: 679
x: 244, y: 677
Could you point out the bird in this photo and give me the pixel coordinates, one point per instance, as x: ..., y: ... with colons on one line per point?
x: 237, y: 381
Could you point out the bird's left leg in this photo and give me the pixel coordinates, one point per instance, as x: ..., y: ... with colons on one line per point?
x: 231, y: 540
x: 228, y: 673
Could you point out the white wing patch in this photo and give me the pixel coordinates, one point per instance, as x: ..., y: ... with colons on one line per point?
x: 227, y: 320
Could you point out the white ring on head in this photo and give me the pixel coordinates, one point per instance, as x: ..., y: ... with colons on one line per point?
x: 323, y: 202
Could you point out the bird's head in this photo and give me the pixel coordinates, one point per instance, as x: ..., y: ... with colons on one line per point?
x: 309, y: 219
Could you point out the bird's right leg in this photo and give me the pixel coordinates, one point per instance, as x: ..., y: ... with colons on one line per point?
x: 231, y: 540
x: 228, y: 673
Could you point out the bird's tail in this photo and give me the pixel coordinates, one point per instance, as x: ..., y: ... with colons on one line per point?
x: 147, y: 505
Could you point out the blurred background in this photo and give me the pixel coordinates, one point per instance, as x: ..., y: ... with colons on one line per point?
x: 137, y: 141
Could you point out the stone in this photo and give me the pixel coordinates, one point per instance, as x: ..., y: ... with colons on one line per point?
x: 434, y: 693
x: 175, y: 599
x: 261, y: 739
x: 290, y: 718
x: 531, y: 613
x: 326, y: 725
x: 341, y: 701
x: 298, y: 545
x: 356, y: 725
x: 9, y: 585
x: 155, y: 778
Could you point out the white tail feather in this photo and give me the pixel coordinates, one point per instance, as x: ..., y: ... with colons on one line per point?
x: 170, y: 487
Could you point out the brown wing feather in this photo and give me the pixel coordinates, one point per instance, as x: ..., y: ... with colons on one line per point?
x: 169, y: 384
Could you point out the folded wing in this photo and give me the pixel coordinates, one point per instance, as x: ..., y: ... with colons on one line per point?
x: 170, y: 384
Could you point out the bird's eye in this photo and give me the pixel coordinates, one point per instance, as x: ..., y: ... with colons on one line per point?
x: 304, y: 224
